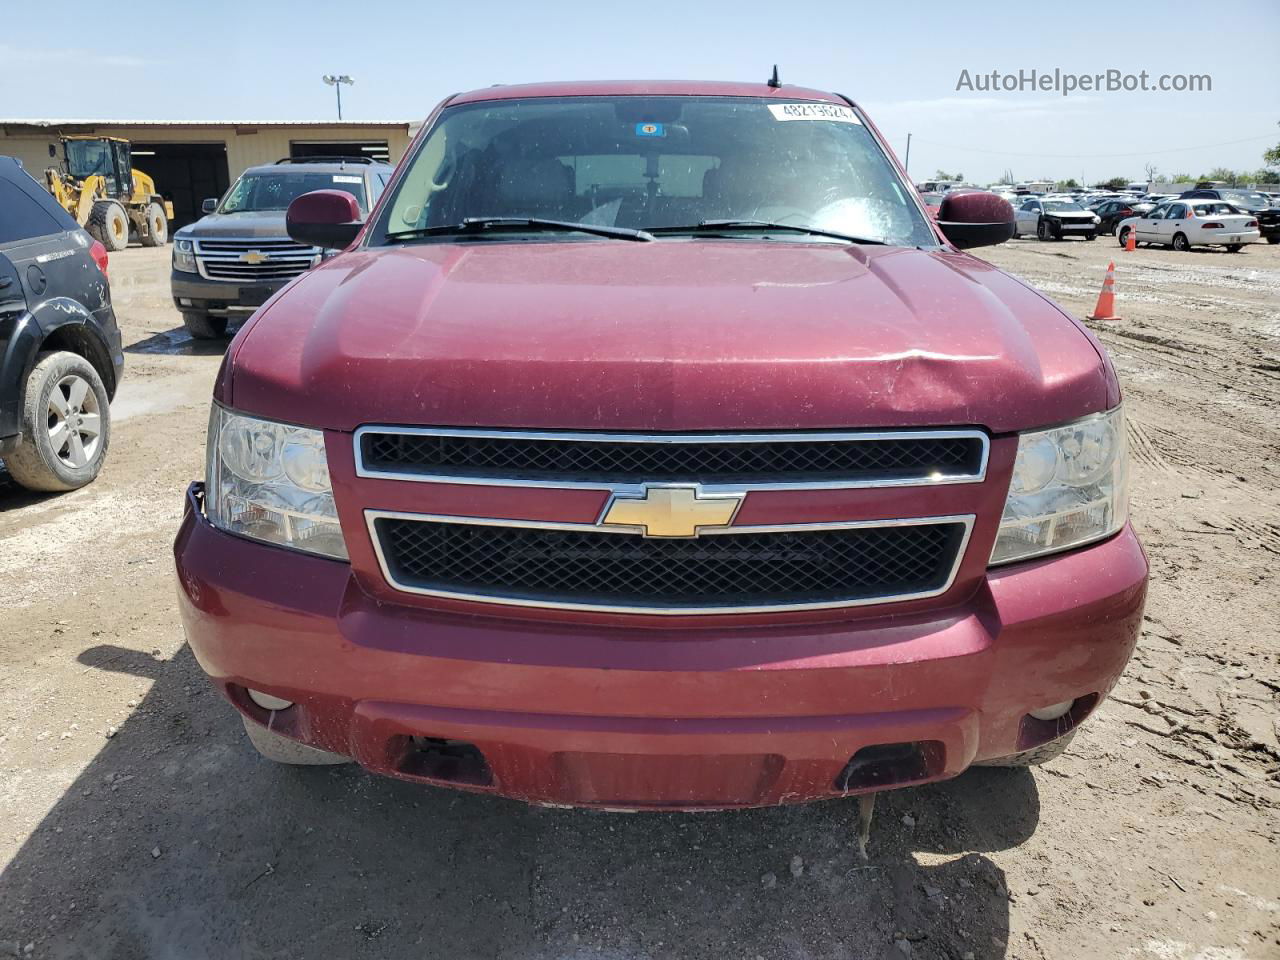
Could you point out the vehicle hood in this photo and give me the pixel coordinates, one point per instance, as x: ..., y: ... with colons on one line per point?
x: 669, y: 335
x: 1071, y: 214
x: 265, y: 223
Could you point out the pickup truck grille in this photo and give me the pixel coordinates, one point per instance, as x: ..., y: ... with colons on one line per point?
x: 586, y: 459
x: 729, y: 572
x: 252, y: 260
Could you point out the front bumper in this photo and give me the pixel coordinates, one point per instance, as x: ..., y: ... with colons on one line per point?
x: 1075, y: 226
x: 193, y: 292
x: 585, y: 715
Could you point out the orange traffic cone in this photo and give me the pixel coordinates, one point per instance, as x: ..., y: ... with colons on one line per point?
x: 1105, y: 310
x: 1131, y: 241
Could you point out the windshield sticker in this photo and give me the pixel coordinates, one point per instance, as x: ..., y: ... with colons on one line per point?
x: 339, y: 178
x: 650, y: 130
x: 813, y: 111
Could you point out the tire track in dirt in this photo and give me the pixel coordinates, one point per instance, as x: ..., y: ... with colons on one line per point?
x: 1203, y: 364
x: 1253, y: 532
x: 1142, y: 449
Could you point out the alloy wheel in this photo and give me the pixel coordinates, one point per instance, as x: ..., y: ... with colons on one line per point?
x: 74, y: 421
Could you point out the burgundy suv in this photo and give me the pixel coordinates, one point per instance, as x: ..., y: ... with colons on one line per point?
x: 650, y: 446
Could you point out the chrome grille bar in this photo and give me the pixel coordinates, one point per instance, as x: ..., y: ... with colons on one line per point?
x: 223, y: 258
x: 600, y: 460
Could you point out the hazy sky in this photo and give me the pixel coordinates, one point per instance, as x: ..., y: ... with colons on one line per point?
x: 263, y: 60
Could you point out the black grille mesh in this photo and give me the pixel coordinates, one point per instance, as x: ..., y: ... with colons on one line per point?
x: 746, y: 569
x: 704, y: 461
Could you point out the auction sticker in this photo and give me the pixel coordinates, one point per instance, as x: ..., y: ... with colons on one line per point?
x: 340, y: 178
x: 813, y: 111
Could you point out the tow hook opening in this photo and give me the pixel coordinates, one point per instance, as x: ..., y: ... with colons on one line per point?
x: 1035, y: 731
x: 452, y: 761
x: 268, y: 701
x: 892, y: 764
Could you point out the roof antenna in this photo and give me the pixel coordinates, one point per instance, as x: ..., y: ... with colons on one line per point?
x: 774, y: 81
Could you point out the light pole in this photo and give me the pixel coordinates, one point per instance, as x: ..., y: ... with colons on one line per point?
x: 336, y: 80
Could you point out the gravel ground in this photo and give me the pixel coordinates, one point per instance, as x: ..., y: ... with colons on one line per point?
x: 137, y: 823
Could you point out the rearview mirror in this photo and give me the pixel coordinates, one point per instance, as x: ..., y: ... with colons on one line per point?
x: 975, y: 219
x: 209, y: 205
x: 324, y: 218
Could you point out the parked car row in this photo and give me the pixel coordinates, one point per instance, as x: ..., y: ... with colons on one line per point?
x: 1230, y: 218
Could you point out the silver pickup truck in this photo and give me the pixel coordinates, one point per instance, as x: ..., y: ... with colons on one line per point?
x: 238, y: 255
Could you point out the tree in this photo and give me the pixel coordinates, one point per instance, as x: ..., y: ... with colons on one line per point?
x: 1181, y: 178
x: 1007, y: 176
x: 1069, y: 184
x: 943, y: 175
x: 1115, y: 183
x: 1225, y: 174
x: 1271, y: 156
x: 1153, y: 172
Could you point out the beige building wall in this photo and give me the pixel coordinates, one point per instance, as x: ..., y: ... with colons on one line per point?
x: 246, y: 144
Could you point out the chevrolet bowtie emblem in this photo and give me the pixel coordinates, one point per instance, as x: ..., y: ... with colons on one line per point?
x: 254, y: 257
x: 671, y: 510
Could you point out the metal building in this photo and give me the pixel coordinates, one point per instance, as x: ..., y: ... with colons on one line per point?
x: 194, y: 160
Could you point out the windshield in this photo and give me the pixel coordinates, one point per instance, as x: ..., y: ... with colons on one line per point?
x: 1244, y: 198
x: 1062, y: 206
x: 275, y: 191
x: 87, y: 157
x: 652, y: 162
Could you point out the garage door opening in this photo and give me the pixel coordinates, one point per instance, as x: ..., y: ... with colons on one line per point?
x: 185, y: 173
x: 373, y: 149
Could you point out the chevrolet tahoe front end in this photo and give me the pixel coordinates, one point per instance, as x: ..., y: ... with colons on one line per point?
x: 231, y: 261
x: 585, y: 477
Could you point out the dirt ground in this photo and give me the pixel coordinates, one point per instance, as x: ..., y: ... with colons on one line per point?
x: 136, y: 822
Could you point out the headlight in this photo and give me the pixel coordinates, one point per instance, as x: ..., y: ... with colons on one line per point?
x: 1069, y: 487
x: 270, y: 481
x: 184, y: 256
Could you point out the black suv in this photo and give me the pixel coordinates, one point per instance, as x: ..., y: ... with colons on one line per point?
x: 60, y: 356
x: 1246, y: 201
x: 232, y: 260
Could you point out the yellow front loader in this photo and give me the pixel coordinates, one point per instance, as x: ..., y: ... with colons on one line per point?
x: 97, y: 185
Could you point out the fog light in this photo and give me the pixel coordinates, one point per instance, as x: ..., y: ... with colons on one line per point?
x: 184, y: 301
x: 267, y: 702
x: 1051, y: 712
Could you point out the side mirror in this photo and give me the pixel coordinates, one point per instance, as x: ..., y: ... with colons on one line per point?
x: 975, y: 219
x: 209, y: 205
x: 324, y: 218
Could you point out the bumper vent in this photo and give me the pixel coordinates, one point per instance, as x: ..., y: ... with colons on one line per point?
x: 847, y: 459
x: 620, y: 572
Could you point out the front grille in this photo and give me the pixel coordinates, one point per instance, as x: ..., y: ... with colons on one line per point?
x: 619, y: 458
x: 222, y: 259
x: 730, y: 572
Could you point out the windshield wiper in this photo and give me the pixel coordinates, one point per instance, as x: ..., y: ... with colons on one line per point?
x: 762, y: 226
x: 480, y: 225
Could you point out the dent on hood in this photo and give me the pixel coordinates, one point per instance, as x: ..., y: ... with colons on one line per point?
x: 665, y: 336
